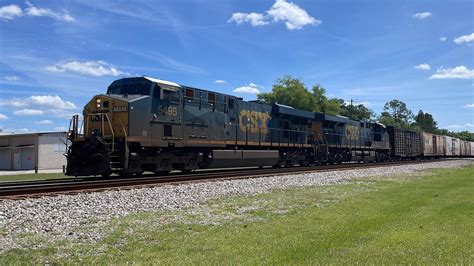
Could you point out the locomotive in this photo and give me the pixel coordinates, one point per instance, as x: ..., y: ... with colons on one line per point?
x: 147, y: 124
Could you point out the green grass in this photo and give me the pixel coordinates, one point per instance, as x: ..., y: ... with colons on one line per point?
x: 421, y: 219
x: 22, y: 177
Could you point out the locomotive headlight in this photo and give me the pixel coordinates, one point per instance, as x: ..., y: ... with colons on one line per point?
x: 97, y: 103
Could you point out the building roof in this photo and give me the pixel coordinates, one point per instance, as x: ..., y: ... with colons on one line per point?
x: 5, y: 134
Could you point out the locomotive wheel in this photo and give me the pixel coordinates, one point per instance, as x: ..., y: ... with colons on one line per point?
x: 106, y: 174
x: 139, y: 174
x: 162, y: 173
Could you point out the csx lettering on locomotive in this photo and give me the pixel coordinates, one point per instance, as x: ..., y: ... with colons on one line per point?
x: 254, y: 121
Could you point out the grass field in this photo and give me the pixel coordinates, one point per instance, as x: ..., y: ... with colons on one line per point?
x: 22, y: 177
x: 420, y: 219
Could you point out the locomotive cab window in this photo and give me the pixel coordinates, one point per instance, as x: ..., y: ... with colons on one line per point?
x: 231, y: 103
x: 166, y: 94
x: 172, y: 96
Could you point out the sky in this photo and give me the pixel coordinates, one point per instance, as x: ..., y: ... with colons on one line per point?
x: 56, y: 55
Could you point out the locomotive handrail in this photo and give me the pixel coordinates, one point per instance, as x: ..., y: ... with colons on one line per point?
x: 123, y: 128
x: 103, y: 127
x: 113, y: 133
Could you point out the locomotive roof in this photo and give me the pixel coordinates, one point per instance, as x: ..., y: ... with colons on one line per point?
x: 288, y: 110
x: 126, y: 97
x: 336, y: 118
x: 170, y: 83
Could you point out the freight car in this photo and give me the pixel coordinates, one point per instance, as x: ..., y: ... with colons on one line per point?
x: 456, y: 147
x: 433, y: 145
x: 448, y: 141
x: 146, y: 124
x: 405, y: 144
x: 465, y: 148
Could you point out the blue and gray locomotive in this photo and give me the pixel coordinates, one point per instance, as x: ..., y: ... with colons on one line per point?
x: 146, y: 124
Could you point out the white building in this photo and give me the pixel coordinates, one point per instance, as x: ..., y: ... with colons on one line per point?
x: 29, y: 150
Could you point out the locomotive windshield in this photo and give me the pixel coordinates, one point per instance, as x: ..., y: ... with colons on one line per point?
x: 130, y: 87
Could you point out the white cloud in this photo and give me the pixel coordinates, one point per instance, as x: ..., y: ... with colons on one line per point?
x: 295, y: 17
x: 28, y: 112
x: 10, y: 12
x: 252, y: 88
x: 469, y: 105
x: 423, y: 67
x: 422, y: 15
x: 60, y: 129
x: 220, y: 81
x: 460, y: 126
x: 11, y: 78
x: 459, y: 72
x: 51, y: 101
x: 255, y: 19
x: 367, y: 104
x: 39, y: 101
x: 251, y: 84
x: 61, y: 114
x: 464, y: 39
x: 32, y: 10
x: 3, y: 117
x: 92, y: 68
x: 443, y: 39
x: 44, y: 122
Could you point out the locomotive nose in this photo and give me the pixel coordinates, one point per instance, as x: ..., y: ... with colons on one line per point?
x: 88, y: 158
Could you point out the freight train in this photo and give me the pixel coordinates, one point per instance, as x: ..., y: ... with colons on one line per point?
x: 147, y: 124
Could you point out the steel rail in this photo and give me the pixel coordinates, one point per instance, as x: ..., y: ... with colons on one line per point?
x: 19, y: 190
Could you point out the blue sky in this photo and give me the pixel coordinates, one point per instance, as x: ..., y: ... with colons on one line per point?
x: 55, y: 55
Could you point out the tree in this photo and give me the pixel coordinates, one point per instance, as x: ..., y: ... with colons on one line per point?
x: 293, y: 92
x: 425, y: 122
x: 356, y: 112
x: 290, y: 91
x: 464, y: 135
x: 319, y: 94
x: 397, y: 110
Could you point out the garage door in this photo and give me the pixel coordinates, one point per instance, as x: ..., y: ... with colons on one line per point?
x: 23, y: 158
x: 5, y: 158
x: 27, y: 159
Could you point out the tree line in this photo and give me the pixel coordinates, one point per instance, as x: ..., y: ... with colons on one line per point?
x: 291, y: 91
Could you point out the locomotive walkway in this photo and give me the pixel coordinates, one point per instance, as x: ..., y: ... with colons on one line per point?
x: 26, y: 189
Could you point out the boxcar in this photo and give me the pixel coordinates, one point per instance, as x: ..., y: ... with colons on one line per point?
x: 404, y: 143
x: 472, y: 149
x: 465, y: 148
x: 433, y: 145
x: 456, y: 147
x: 448, y: 145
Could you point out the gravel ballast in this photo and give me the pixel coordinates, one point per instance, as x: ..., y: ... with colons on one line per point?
x: 60, y: 217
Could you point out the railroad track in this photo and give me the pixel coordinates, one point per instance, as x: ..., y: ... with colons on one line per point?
x: 52, y: 187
